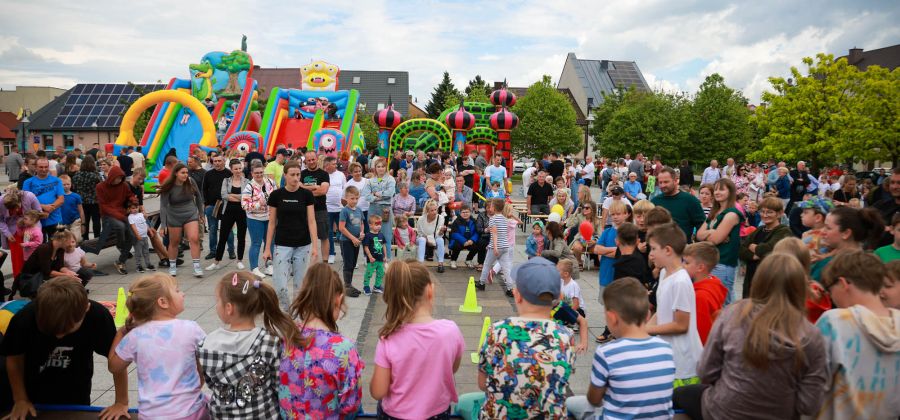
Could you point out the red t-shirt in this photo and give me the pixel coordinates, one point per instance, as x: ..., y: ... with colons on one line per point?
x: 710, y: 296
x: 163, y: 174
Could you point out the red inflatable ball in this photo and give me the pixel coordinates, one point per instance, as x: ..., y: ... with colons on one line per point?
x: 587, y: 230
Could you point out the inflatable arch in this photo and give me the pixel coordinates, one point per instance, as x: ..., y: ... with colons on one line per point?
x: 440, y: 132
x: 126, y: 130
x: 482, y: 135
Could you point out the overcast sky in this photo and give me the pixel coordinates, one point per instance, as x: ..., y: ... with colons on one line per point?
x: 675, y: 43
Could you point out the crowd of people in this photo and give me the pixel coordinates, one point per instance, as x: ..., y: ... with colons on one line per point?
x: 818, y: 265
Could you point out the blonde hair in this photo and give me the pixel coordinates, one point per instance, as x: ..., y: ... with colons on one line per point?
x: 795, y: 247
x: 351, y: 191
x: 252, y: 297
x: 642, y: 207
x: 404, y: 288
x: 144, y: 295
x: 566, y: 265
x: 618, y: 206
x: 316, y: 298
x: 704, y: 252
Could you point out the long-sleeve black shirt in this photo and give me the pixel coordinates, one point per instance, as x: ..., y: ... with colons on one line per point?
x: 212, y: 185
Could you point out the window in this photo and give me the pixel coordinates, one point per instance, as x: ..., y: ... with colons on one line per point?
x: 380, y: 106
x: 68, y: 141
x: 355, y: 80
x: 7, y: 145
x: 590, y: 102
x: 392, y: 80
x: 48, y: 142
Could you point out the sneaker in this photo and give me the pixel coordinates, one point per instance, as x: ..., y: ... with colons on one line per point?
x: 173, y: 270
x: 479, y: 286
x: 163, y: 263
x: 351, y: 291
x: 151, y: 267
x: 270, y: 270
x: 198, y: 272
x: 378, y: 289
x: 440, y: 268
x: 210, y: 256
x: 240, y: 265
x: 453, y: 265
x: 509, y: 293
x: 212, y: 267
x: 469, y: 264
x: 232, y: 255
x: 367, y: 290
x: 258, y: 273
x: 140, y: 269
x: 120, y: 267
x: 331, y: 259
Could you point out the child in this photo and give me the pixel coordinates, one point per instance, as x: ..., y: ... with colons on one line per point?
x: 676, y: 316
x: 374, y: 246
x: 859, y: 372
x: 534, y: 245
x: 404, y: 238
x: 525, y: 362
x: 463, y: 235
x: 891, y: 252
x: 639, y: 213
x: 242, y: 353
x: 499, y: 249
x: 606, y: 245
x: 50, y: 345
x: 75, y: 263
x: 813, y: 216
x: 320, y: 379
x: 571, y: 291
x: 350, y: 227
x: 495, y: 191
x: 709, y: 292
x: 72, y: 210
x: 890, y: 293
x: 412, y: 342
x: 569, y: 310
x: 164, y: 349
x: 817, y: 301
x: 141, y: 241
x: 622, y: 380
x: 29, y: 234
x: 629, y: 262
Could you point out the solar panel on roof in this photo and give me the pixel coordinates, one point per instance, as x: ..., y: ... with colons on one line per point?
x: 102, y: 104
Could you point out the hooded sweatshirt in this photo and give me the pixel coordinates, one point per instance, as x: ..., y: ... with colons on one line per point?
x: 863, y: 364
x: 114, y: 198
x: 710, y: 296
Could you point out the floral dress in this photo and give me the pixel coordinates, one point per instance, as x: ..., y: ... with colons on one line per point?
x: 320, y: 381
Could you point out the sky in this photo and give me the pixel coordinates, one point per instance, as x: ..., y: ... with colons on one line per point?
x: 676, y: 44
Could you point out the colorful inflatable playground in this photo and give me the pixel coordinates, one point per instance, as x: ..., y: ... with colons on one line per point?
x: 318, y: 116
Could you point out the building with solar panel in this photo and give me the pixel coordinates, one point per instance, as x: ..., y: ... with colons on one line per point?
x: 83, y: 116
x: 588, y: 80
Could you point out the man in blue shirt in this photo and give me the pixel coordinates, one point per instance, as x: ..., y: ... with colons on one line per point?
x: 49, y: 191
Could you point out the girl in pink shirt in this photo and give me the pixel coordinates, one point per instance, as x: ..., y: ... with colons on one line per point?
x: 30, y: 236
x: 412, y: 343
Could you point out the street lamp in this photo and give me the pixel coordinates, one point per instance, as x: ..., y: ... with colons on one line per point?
x: 24, y: 121
x: 590, y: 118
x: 97, y: 129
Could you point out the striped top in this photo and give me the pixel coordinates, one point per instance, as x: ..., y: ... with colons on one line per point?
x: 638, y: 376
x: 502, y: 236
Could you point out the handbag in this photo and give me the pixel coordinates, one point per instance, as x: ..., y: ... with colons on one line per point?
x: 27, y: 284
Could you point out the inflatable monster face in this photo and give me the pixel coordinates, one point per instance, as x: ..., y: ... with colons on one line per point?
x: 242, y: 141
x: 319, y: 75
x: 328, y: 141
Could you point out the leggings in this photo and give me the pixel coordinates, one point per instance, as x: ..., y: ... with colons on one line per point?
x: 91, y: 216
x: 690, y: 399
x: 227, y: 220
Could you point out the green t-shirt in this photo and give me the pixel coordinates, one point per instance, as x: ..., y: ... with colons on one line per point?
x: 685, y: 209
x: 728, y: 250
x: 275, y: 170
x: 888, y: 253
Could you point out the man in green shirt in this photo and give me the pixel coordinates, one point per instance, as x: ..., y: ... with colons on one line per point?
x: 684, y: 207
x: 275, y: 168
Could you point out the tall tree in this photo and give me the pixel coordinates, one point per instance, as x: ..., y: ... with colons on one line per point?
x: 878, y: 135
x: 721, y: 127
x: 813, y: 116
x: 439, y: 96
x: 478, y: 90
x: 547, y: 122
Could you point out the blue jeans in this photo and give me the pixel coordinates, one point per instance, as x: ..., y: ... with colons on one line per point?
x: 258, y: 230
x: 289, y: 262
x: 213, y: 225
x: 726, y: 273
x: 334, y: 217
x: 421, y: 242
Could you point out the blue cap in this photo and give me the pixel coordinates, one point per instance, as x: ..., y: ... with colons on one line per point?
x: 821, y: 205
x: 538, y: 281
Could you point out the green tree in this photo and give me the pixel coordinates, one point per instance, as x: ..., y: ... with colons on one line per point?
x: 813, y: 116
x: 654, y: 123
x: 369, y: 129
x: 720, y: 126
x: 478, y: 90
x: 439, y: 97
x: 452, y: 100
x: 547, y: 122
x: 234, y: 63
x: 140, y: 125
x: 877, y: 137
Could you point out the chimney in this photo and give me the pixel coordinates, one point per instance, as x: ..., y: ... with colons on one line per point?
x: 855, y: 56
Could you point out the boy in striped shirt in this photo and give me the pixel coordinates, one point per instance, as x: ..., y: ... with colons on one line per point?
x: 632, y: 376
x: 498, y: 249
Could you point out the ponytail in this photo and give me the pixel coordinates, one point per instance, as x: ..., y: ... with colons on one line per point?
x: 276, y: 321
x: 252, y: 297
x: 405, y: 283
x: 865, y: 225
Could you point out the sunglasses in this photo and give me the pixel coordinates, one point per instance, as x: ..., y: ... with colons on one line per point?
x: 587, y: 208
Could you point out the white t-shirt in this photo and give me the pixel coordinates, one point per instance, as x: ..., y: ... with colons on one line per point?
x: 363, y: 204
x: 676, y: 293
x: 571, y: 291
x: 337, y: 181
x: 138, y: 159
x: 137, y: 219
x: 527, y: 175
x: 496, y: 173
x: 72, y: 260
x: 608, y: 201
x: 588, y: 170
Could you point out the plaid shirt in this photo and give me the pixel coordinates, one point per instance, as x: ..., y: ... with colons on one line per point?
x: 244, y: 386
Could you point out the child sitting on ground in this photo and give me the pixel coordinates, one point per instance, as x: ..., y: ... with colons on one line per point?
x: 709, y: 292
x: 75, y: 263
x: 164, y: 349
x: 404, y: 238
x: 320, y: 380
x: 675, y: 320
x: 533, y: 345
x: 411, y: 340
x: 244, y: 353
x: 534, y: 244
x: 621, y: 380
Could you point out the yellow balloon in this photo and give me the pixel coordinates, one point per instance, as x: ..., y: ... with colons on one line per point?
x: 558, y: 209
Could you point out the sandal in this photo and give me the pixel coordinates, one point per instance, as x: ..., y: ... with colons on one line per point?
x: 603, y: 338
